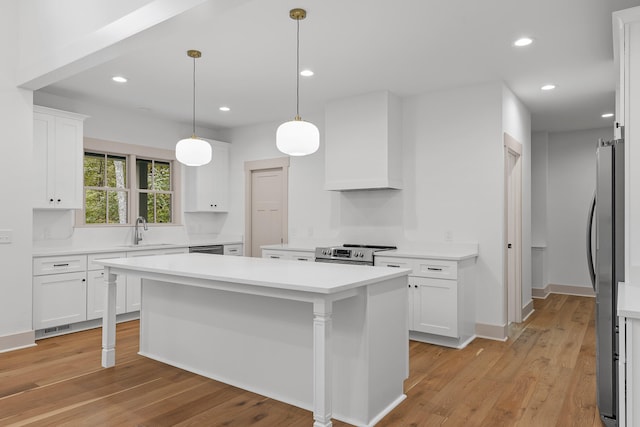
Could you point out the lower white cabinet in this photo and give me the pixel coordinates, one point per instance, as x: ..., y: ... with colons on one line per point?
x: 59, y: 299
x: 434, y: 306
x: 59, y: 290
x: 96, y: 286
x: 134, y: 283
x: 441, y: 299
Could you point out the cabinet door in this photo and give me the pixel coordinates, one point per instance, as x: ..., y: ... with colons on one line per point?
x: 59, y: 299
x: 234, y: 250
x: 435, y: 306
x: 67, y: 163
x: 43, y: 134
x: 96, y: 290
x: 302, y: 256
x: 274, y: 254
x: 206, y: 187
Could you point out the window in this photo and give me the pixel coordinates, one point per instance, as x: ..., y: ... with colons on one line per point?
x: 105, y: 189
x: 154, y: 190
x: 123, y: 182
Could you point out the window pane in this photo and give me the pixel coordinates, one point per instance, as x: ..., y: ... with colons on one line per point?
x: 117, y: 207
x: 95, y: 207
x: 150, y: 208
x: 93, y: 170
x: 163, y: 208
x: 162, y: 176
x: 143, y: 209
x: 143, y: 173
x: 116, y: 172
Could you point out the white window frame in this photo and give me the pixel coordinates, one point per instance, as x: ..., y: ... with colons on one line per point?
x: 132, y: 152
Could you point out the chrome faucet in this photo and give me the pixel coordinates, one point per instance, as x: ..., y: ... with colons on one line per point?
x: 137, y: 234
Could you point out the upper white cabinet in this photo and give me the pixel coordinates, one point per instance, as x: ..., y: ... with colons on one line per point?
x: 57, y: 159
x: 206, y: 188
x: 363, y: 144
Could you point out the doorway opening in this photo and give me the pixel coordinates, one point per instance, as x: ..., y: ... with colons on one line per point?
x: 266, y: 204
x: 512, y: 253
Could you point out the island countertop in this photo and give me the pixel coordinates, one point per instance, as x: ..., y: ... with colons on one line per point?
x: 281, y: 274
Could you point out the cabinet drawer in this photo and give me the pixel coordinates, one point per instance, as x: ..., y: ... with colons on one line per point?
x: 438, y: 269
x: 302, y: 256
x: 107, y: 255
x: 393, y: 262
x: 59, y: 264
x: 235, y: 249
x: 274, y: 254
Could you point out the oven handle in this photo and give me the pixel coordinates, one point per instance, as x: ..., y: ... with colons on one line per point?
x: 341, y: 261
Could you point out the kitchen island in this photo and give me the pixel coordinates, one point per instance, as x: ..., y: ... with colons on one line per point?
x: 330, y: 338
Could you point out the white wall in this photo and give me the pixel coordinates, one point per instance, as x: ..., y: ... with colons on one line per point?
x: 571, y: 182
x: 453, y: 177
x: 15, y: 173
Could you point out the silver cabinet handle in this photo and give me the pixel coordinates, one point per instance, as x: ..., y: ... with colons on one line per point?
x: 434, y: 268
x: 393, y: 265
x: 274, y: 256
x: 61, y: 265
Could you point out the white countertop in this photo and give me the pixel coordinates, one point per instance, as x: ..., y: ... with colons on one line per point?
x: 279, y: 274
x: 628, y: 300
x: 453, y: 254
x: 78, y: 250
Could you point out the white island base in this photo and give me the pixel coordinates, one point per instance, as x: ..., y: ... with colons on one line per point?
x: 340, y: 351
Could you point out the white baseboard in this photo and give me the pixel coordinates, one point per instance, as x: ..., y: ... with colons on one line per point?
x: 492, y: 332
x: 17, y: 341
x: 527, y: 310
x: 583, y: 291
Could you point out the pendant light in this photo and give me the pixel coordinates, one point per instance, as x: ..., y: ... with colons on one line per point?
x: 193, y: 151
x: 297, y: 137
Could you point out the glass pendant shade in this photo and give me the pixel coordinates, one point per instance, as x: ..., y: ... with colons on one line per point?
x: 193, y: 151
x: 297, y: 138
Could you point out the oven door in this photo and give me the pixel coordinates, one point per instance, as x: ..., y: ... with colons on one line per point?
x: 208, y: 249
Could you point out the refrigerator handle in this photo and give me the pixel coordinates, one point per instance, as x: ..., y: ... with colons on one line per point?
x: 592, y: 272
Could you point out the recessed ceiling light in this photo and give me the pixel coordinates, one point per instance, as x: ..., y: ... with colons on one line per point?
x: 548, y: 87
x: 524, y: 41
x: 605, y: 115
x: 306, y: 73
x: 224, y: 108
x: 119, y: 79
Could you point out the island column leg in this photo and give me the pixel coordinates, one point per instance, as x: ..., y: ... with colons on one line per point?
x: 109, y: 320
x: 322, y: 356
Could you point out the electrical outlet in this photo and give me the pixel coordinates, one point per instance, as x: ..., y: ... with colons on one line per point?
x: 5, y: 236
x: 448, y: 236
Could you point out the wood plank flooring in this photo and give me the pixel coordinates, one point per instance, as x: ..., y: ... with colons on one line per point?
x: 544, y: 375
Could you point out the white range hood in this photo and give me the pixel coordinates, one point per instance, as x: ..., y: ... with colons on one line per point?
x: 363, y: 142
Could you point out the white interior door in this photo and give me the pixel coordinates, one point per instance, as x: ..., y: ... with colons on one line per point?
x: 513, y: 229
x: 267, y: 205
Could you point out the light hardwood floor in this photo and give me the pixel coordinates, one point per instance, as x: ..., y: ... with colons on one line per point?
x: 544, y: 375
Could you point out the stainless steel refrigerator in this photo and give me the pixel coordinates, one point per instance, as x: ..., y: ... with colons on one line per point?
x: 606, y: 219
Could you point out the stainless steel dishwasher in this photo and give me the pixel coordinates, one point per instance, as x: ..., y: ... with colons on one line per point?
x: 207, y: 249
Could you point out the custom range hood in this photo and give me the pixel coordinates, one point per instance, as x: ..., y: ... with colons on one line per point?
x: 363, y: 143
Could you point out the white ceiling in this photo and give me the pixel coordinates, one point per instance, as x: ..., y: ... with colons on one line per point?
x: 358, y: 46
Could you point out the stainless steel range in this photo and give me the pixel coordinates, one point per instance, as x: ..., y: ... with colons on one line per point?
x: 349, y: 254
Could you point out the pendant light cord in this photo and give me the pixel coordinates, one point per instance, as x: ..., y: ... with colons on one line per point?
x: 194, y: 97
x: 298, y: 70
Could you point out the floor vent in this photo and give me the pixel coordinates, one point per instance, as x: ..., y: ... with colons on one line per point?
x: 56, y: 329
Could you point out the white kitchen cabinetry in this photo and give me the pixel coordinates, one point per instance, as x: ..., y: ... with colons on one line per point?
x: 134, y: 283
x: 57, y: 159
x: 441, y: 299
x: 96, y: 286
x: 59, y: 291
x: 206, y: 188
x: 233, y: 249
x: 297, y: 255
